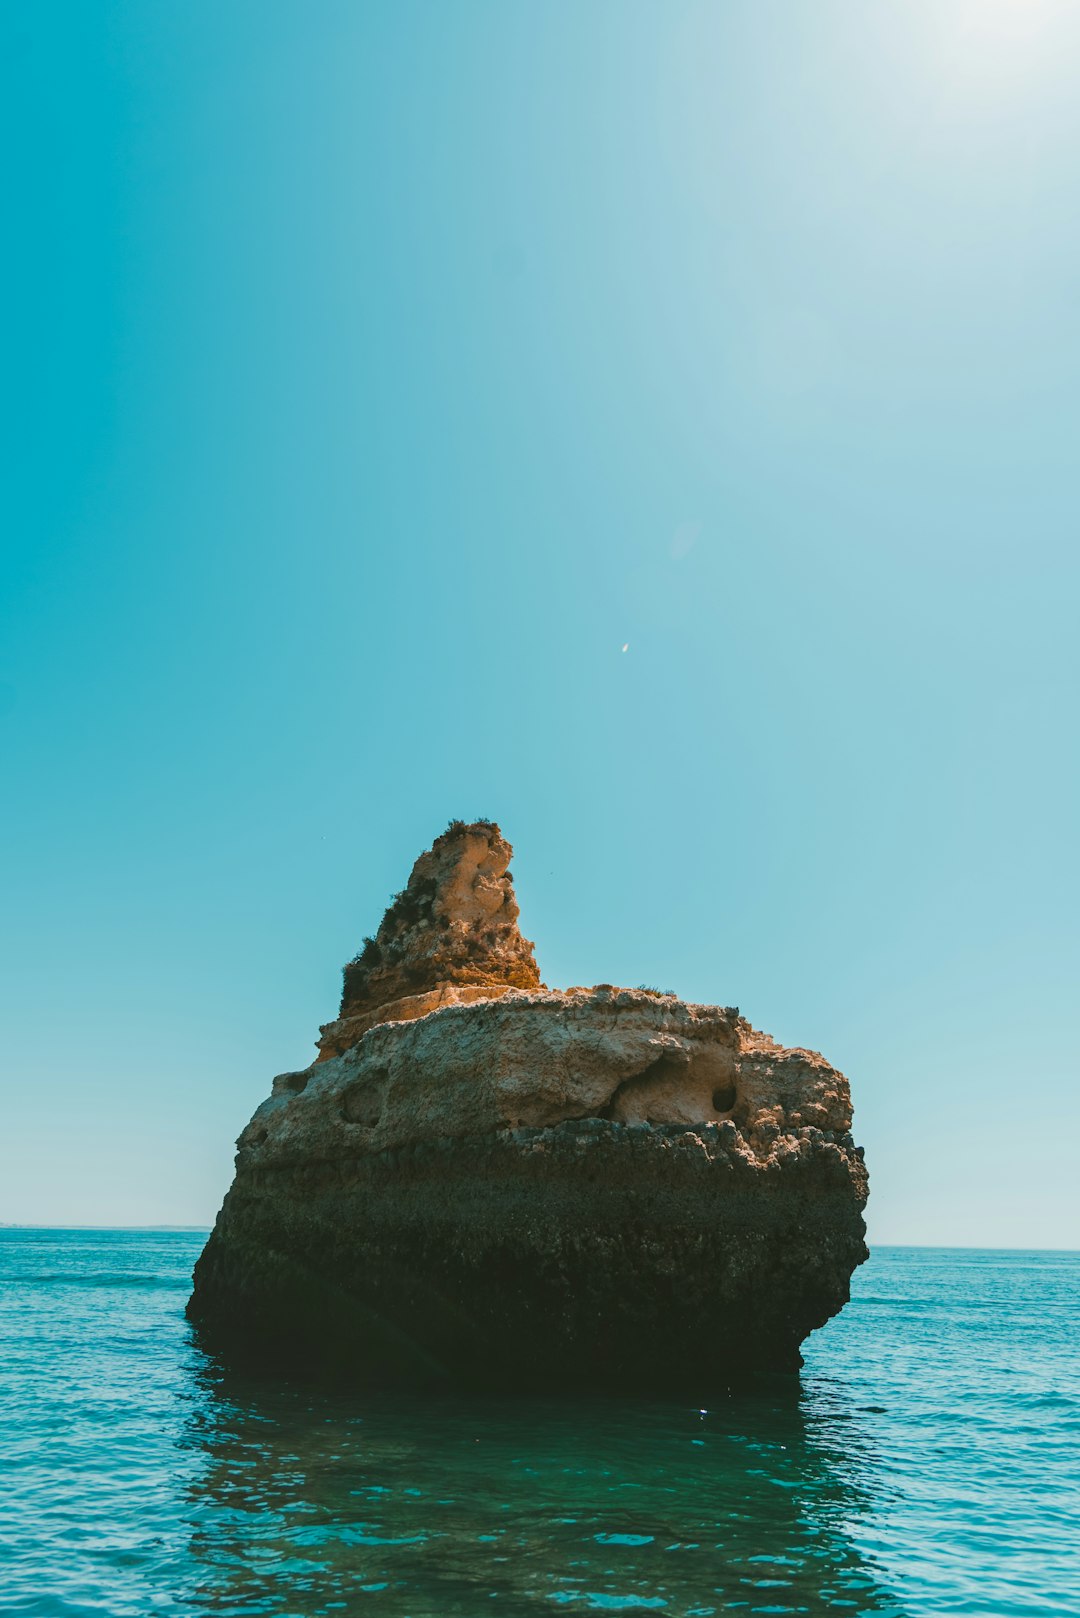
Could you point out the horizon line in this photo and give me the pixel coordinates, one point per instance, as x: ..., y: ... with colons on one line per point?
x: 926, y: 1247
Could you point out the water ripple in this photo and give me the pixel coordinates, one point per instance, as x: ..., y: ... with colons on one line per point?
x: 925, y: 1465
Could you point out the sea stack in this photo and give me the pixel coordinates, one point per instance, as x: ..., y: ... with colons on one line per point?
x: 482, y: 1181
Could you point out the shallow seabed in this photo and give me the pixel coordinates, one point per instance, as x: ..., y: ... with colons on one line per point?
x: 926, y: 1463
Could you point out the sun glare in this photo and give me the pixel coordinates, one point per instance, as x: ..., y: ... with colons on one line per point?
x: 999, y: 40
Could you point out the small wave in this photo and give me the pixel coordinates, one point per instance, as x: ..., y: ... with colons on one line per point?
x: 147, y: 1283
x: 606, y: 1603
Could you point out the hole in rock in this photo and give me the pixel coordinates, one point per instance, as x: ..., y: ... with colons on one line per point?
x: 362, y: 1102
x: 679, y: 1087
x: 294, y: 1083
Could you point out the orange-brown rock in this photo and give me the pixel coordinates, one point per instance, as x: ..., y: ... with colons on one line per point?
x: 450, y: 936
x: 485, y: 1180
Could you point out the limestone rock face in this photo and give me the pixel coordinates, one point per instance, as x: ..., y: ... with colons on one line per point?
x: 482, y: 1180
x: 450, y: 935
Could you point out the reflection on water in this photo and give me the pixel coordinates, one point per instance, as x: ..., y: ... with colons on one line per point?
x: 926, y: 1465
x: 323, y: 1503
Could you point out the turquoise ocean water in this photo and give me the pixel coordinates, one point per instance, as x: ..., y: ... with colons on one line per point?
x: 927, y: 1462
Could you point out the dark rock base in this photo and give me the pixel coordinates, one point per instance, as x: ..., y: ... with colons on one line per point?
x: 580, y: 1256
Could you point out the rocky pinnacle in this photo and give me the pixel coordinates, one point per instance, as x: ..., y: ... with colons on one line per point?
x: 451, y: 933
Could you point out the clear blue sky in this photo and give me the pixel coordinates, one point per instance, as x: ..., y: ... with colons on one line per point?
x: 375, y: 374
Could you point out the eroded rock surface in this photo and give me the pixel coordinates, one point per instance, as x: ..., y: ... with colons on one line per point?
x: 450, y: 935
x: 484, y: 1180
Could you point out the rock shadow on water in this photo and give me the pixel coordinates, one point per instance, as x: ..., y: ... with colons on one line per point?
x: 311, y: 1501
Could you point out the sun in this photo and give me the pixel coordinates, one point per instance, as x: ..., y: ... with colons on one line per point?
x: 979, y: 47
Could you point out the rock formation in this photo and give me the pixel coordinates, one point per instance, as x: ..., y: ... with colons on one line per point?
x: 450, y: 936
x: 483, y: 1180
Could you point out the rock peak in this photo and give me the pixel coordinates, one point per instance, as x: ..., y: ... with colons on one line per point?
x: 454, y: 923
